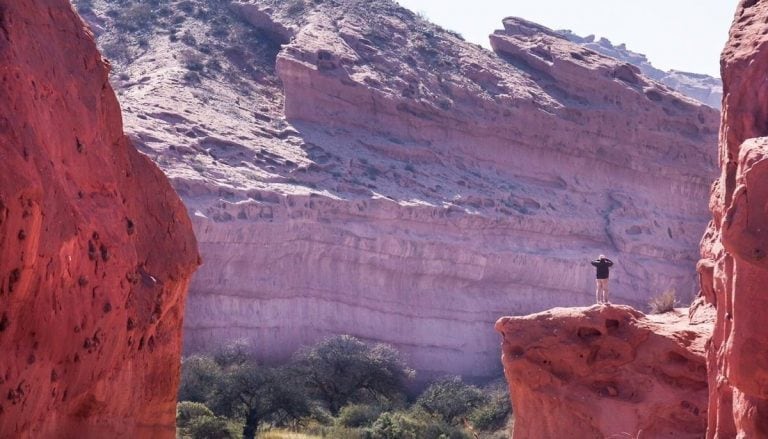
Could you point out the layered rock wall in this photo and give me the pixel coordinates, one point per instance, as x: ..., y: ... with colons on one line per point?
x: 96, y: 249
x: 733, y: 269
x: 606, y: 371
x: 703, y: 88
x: 352, y: 168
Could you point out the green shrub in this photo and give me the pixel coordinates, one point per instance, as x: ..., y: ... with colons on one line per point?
x: 393, y: 426
x: 412, y: 425
x: 193, y: 61
x: 186, y: 411
x: 296, y: 7
x: 664, y: 302
x: 234, y: 352
x: 188, y: 39
x: 199, y: 377
x: 493, y: 414
x: 359, y: 415
x: 135, y: 17
x: 212, y: 427
x: 451, y: 399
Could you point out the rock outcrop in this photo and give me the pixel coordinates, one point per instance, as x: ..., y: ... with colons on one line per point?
x: 606, y: 371
x: 734, y: 269
x: 351, y: 168
x: 703, y: 88
x: 96, y: 249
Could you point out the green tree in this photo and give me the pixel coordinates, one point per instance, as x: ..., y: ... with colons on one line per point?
x: 259, y: 394
x: 343, y: 369
x: 200, y: 375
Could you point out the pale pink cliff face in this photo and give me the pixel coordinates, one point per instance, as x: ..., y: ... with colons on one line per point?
x: 606, y: 372
x: 734, y: 271
x: 96, y: 249
x: 378, y: 176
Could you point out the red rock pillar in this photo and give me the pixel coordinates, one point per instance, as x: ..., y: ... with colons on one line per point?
x: 736, y: 243
x: 96, y: 249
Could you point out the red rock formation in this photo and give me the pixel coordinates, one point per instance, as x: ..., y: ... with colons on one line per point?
x: 734, y: 268
x: 606, y: 371
x: 96, y: 249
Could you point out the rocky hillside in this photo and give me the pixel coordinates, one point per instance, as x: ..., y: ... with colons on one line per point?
x: 96, y: 249
x: 351, y: 168
x: 703, y: 88
x: 734, y: 269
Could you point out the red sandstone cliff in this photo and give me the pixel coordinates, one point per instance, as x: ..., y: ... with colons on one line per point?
x: 734, y: 268
x: 96, y: 249
x: 606, y: 372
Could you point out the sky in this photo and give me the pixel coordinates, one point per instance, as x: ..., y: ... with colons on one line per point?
x: 683, y: 35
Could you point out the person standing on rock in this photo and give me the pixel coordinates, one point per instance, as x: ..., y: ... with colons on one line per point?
x: 602, y: 265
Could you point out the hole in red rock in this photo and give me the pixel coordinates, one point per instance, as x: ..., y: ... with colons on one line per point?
x: 517, y: 352
x: 676, y: 358
x: 654, y: 95
x: 586, y: 333
x: 611, y: 324
x: 690, y: 407
x: 593, y: 354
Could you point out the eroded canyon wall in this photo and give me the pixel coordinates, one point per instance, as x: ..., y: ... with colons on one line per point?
x: 96, y: 249
x: 703, y: 88
x: 352, y: 168
x: 734, y: 269
x: 606, y: 371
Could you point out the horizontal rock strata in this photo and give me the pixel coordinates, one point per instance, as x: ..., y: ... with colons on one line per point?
x: 351, y: 168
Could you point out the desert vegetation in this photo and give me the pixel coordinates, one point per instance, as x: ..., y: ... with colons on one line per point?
x: 206, y: 38
x: 664, y: 302
x: 339, y: 388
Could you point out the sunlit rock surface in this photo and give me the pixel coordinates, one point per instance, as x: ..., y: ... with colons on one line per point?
x: 703, y: 88
x: 733, y: 269
x: 96, y: 249
x: 606, y: 371
x: 351, y: 168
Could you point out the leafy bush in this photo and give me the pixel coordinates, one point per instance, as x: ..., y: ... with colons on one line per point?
x: 188, y: 39
x: 664, y: 302
x: 192, y: 78
x: 186, y: 411
x: 212, y: 427
x: 199, y: 376
x: 359, y: 415
x: 135, y: 17
x: 296, y: 7
x: 412, y: 425
x: 193, y: 61
x: 494, y: 413
x: 233, y: 353
x: 450, y: 399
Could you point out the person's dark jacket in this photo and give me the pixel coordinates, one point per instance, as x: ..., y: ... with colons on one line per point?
x: 602, y: 267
